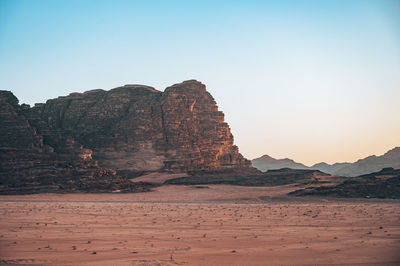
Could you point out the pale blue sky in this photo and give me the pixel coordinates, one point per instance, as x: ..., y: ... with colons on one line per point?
x: 310, y: 80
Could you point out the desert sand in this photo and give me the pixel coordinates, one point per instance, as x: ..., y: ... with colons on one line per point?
x: 201, y: 225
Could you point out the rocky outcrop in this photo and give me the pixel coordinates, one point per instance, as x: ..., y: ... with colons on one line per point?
x: 110, y: 136
x: 284, y: 176
x: 382, y: 184
x: 135, y: 129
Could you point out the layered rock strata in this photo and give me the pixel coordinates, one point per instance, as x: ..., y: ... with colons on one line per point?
x: 136, y: 128
x: 30, y: 164
x: 128, y: 130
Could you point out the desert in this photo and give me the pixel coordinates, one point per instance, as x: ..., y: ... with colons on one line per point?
x: 198, y: 225
x: 136, y: 176
x: 200, y: 132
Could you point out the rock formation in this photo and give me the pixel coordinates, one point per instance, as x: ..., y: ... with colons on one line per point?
x: 28, y: 164
x: 280, y: 177
x: 382, y: 184
x: 128, y: 130
x: 135, y: 128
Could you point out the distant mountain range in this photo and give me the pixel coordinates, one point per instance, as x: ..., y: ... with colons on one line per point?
x: 266, y: 162
x: 367, y: 165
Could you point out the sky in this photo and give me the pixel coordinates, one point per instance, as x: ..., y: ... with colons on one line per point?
x: 309, y: 80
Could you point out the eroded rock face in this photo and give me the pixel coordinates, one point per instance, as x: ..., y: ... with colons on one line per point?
x: 131, y: 129
x: 31, y: 163
x: 136, y: 128
x: 195, y: 134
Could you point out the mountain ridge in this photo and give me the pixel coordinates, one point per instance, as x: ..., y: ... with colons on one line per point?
x: 362, y: 166
x: 267, y: 162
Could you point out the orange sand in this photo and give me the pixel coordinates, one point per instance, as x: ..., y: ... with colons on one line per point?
x: 179, y: 225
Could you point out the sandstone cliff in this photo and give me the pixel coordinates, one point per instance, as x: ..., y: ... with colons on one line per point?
x: 120, y: 133
x: 28, y: 164
x: 136, y: 128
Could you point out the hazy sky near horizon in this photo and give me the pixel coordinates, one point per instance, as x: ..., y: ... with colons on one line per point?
x: 309, y: 80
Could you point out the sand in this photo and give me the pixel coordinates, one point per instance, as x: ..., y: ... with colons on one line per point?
x: 206, y: 225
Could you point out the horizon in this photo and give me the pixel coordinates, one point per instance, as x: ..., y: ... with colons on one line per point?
x: 310, y: 165
x: 313, y: 81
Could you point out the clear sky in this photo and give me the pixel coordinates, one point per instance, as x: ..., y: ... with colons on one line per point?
x: 309, y: 80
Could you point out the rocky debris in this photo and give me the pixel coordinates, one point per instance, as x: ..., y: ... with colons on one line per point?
x: 98, y: 140
x: 278, y: 177
x: 382, y: 184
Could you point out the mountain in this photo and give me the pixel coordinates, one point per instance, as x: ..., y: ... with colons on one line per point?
x: 265, y: 163
x: 137, y: 128
x: 382, y: 184
x: 367, y: 165
x: 118, y: 134
x: 329, y: 168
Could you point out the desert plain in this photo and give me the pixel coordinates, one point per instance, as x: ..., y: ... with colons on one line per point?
x: 198, y: 225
